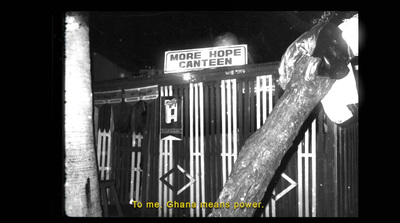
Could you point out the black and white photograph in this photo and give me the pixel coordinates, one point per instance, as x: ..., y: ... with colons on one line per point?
x: 210, y: 114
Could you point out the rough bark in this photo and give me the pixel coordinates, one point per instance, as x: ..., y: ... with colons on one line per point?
x: 262, y: 153
x: 81, y: 179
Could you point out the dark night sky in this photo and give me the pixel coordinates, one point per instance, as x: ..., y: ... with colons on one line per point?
x: 134, y: 40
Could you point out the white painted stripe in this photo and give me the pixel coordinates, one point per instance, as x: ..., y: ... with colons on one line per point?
x: 191, y: 138
x: 170, y: 163
x: 98, y: 147
x: 300, y: 180
x: 166, y: 91
x: 203, y: 198
x: 306, y: 176
x: 171, y: 177
x: 165, y: 166
x: 131, y: 191
x: 314, y: 168
x: 229, y: 120
x: 138, y: 180
x: 264, y: 99
x: 196, y: 121
x: 102, y: 137
x: 109, y: 155
x: 223, y: 139
x: 258, y: 102
x: 273, y: 205
x: 270, y: 102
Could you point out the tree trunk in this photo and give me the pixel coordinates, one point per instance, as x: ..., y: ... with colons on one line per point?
x: 81, y: 179
x: 261, y: 154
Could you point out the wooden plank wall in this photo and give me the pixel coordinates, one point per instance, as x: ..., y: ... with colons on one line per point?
x: 347, y: 170
x: 219, y: 115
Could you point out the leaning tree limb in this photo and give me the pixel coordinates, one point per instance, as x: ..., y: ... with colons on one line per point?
x: 306, y: 80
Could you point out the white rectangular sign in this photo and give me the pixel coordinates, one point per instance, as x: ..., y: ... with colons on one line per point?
x: 212, y: 57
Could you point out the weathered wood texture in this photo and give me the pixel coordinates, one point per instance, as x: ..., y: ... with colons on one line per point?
x: 261, y: 154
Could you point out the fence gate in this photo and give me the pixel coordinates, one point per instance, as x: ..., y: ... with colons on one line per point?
x: 218, y: 117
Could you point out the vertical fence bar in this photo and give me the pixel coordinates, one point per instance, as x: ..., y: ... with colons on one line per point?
x: 131, y: 197
x: 171, y: 179
x: 191, y: 138
x: 187, y: 154
x: 314, y: 168
x: 160, y: 166
x: 270, y: 102
x: 266, y: 211
x: 170, y: 160
x: 99, y: 140
x: 234, y: 105
x: 258, y: 102
x: 201, y: 99
x: 165, y: 166
x: 229, y: 120
x: 246, y: 110
x: 138, y: 179
x: 252, y: 105
x: 108, y: 167
x: 104, y: 156
x: 345, y: 171
x: 223, y: 137
x: 264, y: 98
x: 103, y: 153
x: 196, y: 146
x: 306, y: 174
x: 108, y: 147
x: 273, y: 210
x: 300, y: 179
